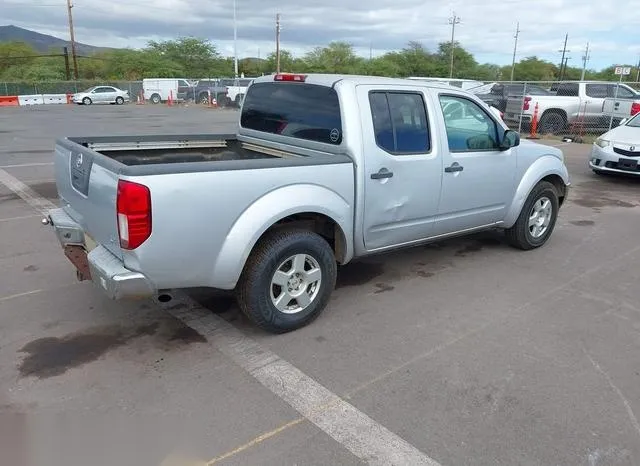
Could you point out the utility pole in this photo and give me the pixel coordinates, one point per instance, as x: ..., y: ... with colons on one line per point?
x: 564, y: 52
x: 278, y: 43
x: 65, y: 52
x: 638, y: 72
x: 73, y: 41
x: 235, y: 41
x: 515, y: 48
x: 585, y: 59
x: 453, y: 21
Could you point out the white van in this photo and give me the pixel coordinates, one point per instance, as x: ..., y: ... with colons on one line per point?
x: 158, y: 90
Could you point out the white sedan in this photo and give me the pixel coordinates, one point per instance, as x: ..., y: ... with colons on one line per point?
x: 618, y: 150
x: 101, y: 95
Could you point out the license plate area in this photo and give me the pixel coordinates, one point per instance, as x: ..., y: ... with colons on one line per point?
x: 627, y: 164
x: 78, y: 257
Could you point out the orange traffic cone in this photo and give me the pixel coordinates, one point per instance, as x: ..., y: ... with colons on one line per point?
x: 170, y: 101
x: 533, y: 133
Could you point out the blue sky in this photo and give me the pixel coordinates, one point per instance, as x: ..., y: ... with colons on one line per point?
x: 486, y: 29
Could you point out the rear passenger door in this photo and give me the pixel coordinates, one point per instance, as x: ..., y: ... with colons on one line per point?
x: 402, y: 169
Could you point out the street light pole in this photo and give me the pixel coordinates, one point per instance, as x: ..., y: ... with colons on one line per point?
x: 235, y: 40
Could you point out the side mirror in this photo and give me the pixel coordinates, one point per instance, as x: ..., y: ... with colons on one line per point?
x: 623, y: 121
x: 510, y: 139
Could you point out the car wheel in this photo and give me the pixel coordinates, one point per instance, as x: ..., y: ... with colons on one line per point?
x: 86, y: 101
x: 537, y: 218
x: 155, y: 99
x: 287, y: 281
x: 552, y: 122
x: 119, y: 100
x: 204, y: 99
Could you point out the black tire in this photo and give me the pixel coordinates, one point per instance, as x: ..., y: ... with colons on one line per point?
x: 86, y: 101
x: 519, y: 235
x: 119, y: 100
x: 203, y: 99
x: 255, y: 288
x: 155, y: 99
x: 552, y: 122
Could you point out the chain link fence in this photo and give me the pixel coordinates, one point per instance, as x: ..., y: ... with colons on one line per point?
x: 577, y: 110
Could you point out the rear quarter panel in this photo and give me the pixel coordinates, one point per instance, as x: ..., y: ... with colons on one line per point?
x: 206, y: 223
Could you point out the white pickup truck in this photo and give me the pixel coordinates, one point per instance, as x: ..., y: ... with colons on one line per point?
x: 236, y: 90
x: 323, y: 169
x: 574, y: 102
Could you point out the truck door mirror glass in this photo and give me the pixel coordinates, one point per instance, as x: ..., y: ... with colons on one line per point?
x: 510, y: 139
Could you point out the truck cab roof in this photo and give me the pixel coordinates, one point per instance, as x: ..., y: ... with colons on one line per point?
x: 330, y: 80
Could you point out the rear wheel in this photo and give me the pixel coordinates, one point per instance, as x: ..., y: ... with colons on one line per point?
x: 119, y: 100
x: 155, y: 99
x: 287, y: 281
x: 552, y: 122
x: 203, y: 99
x: 537, y: 218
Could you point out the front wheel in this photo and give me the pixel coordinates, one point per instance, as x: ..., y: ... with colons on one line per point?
x: 287, y: 281
x: 86, y: 101
x: 537, y: 218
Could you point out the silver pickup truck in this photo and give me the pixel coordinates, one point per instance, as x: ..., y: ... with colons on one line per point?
x: 322, y: 169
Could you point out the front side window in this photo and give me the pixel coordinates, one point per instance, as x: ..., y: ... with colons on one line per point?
x: 469, y: 128
x: 400, y: 122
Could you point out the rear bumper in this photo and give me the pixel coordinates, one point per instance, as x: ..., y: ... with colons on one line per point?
x: 104, y: 269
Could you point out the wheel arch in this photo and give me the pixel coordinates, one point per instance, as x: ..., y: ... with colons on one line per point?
x: 547, y: 168
x: 332, y: 219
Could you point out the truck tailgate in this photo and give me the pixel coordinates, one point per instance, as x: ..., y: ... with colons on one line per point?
x: 87, y: 191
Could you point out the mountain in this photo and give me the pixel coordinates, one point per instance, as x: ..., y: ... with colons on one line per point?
x: 43, y: 42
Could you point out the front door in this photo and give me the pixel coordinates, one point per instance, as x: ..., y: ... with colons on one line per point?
x: 402, y: 167
x: 478, y: 178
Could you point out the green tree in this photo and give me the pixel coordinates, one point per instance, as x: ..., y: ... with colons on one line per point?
x: 337, y: 57
x: 198, y: 58
x: 464, y: 64
x: 15, y: 56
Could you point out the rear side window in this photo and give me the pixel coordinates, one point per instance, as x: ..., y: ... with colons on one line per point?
x: 400, y: 122
x: 597, y: 90
x: 569, y: 89
x: 298, y: 110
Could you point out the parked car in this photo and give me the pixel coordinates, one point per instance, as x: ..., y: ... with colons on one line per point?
x: 322, y: 169
x: 618, y: 150
x: 101, y: 95
x: 572, y: 102
x: 209, y: 87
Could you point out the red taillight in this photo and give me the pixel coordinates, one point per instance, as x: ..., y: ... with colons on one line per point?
x: 527, y: 100
x: 290, y: 77
x: 635, y: 108
x: 133, y: 206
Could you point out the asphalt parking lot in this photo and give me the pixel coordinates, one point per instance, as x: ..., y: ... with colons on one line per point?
x: 465, y: 352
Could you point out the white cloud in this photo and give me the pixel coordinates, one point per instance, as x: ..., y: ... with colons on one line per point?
x: 487, y: 26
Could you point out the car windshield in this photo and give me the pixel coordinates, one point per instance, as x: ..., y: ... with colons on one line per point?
x: 634, y: 122
x: 88, y: 90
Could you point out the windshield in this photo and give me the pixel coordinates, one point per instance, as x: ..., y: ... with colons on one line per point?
x: 634, y: 122
x: 88, y: 90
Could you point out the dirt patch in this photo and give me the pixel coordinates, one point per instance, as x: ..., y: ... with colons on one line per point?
x: 30, y: 268
x: 53, y: 356
x: 383, y: 288
x: 583, y: 223
x: 358, y: 273
x: 46, y: 189
x: 600, y: 202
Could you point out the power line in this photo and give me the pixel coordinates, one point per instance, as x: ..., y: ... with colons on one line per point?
x: 453, y: 21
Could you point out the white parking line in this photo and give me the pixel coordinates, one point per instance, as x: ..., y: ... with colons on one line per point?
x: 39, y: 203
x: 23, y: 217
x: 35, y: 164
x: 361, y: 435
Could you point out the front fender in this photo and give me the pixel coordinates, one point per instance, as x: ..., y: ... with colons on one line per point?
x: 267, y: 211
x: 544, y: 166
